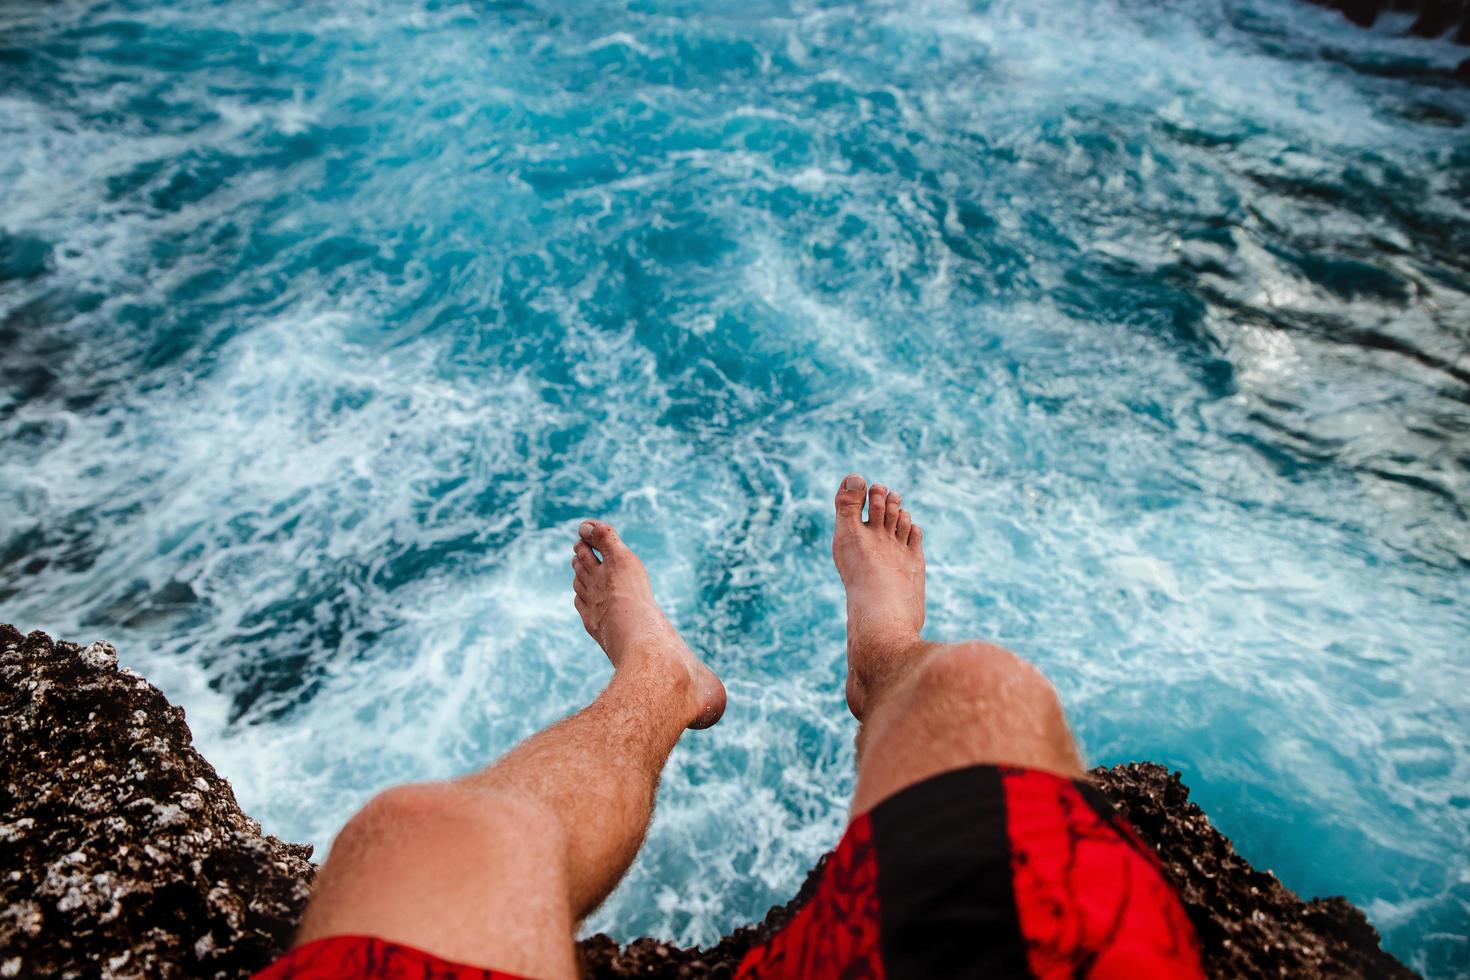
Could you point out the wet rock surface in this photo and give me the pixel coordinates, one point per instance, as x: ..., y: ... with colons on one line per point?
x: 1249, y: 924
x: 124, y: 854
x: 122, y: 851
x: 1432, y: 19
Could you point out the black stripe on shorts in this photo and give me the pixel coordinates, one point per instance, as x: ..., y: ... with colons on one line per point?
x: 945, y: 895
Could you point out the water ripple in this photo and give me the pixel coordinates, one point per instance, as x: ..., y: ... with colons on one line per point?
x: 319, y: 331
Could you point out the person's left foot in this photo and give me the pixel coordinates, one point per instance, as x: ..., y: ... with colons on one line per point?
x: 617, y: 606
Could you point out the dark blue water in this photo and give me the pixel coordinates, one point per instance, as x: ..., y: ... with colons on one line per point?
x: 322, y: 325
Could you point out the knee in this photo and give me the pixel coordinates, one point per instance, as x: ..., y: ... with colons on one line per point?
x: 421, y: 812
x: 397, y: 814
x: 977, y: 673
x: 413, y: 845
x: 962, y: 705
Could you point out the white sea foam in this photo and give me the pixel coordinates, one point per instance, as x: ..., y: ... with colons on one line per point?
x: 460, y: 279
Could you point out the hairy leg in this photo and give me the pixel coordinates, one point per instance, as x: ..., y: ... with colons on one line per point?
x: 926, y: 707
x: 495, y: 869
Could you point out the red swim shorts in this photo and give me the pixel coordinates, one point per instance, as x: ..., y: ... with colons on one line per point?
x: 989, y: 871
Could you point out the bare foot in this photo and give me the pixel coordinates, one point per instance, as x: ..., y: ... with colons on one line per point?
x: 881, y: 562
x: 619, y: 612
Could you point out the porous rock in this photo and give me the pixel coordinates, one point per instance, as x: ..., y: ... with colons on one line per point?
x: 1248, y: 923
x: 124, y: 854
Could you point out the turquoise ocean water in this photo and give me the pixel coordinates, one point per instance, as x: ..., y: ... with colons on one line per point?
x: 321, y: 325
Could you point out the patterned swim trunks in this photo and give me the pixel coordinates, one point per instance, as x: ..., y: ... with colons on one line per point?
x: 988, y: 871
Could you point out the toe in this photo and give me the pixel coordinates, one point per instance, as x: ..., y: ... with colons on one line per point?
x: 600, y: 535
x: 877, y: 503
x: 583, y: 552
x: 579, y: 586
x: 916, y: 538
x: 903, y: 526
x: 891, y: 512
x: 850, y: 499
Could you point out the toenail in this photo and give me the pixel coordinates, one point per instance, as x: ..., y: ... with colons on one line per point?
x: 586, y: 529
x: 853, y: 482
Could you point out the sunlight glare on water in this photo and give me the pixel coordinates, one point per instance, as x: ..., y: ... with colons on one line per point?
x: 322, y: 326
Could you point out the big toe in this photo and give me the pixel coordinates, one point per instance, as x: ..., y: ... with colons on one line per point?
x: 600, y: 535
x: 850, y: 498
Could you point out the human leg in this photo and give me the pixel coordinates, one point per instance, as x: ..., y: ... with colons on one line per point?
x: 976, y: 847
x: 926, y: 708
x: 496, y: 868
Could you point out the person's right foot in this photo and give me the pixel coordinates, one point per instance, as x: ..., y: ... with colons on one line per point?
x: 881, y: 562
x: 615, y: 600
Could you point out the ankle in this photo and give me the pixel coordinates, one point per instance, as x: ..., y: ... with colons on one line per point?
x: 663, y: 677
x: 876, y: 665
x: 873, y: 653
